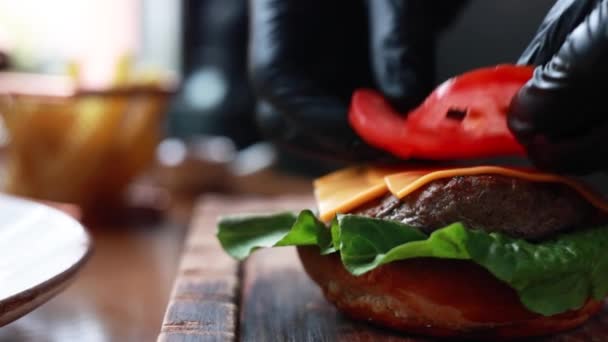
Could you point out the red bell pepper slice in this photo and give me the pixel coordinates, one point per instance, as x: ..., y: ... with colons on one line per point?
x: 465, y: 117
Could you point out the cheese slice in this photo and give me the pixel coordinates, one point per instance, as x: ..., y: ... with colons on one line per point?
x: 404, y: 183
x: 399, y: 183
x: 345, y: 190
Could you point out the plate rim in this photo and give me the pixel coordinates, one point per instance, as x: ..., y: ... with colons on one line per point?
x: 49, y: 288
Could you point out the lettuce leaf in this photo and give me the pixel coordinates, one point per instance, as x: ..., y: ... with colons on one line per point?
x: 241, y: 235
x: 550, y: 277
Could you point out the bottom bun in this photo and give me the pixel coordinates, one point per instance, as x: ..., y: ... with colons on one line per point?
x: 435, y: 297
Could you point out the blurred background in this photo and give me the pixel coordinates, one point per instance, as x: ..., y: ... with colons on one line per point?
x: 182, y: 66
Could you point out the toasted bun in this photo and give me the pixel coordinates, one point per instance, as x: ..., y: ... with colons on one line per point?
x: 435, y: 297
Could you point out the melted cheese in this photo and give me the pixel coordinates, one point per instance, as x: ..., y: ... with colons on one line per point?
x: 345, y: 190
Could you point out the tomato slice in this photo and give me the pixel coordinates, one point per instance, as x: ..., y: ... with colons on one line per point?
x: 465, y: 117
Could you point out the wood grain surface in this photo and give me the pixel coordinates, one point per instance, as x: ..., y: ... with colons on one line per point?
x: 269, y: 297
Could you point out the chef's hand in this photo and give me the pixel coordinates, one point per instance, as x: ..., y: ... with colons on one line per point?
x: 307, y: 57
x: 561, y: 115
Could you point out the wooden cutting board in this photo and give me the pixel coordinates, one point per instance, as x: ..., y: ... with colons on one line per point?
x: 269, y: 297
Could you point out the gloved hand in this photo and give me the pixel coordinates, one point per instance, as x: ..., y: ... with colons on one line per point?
x: 5, y: 62
x: 560, y: 116
x: 307, y: 58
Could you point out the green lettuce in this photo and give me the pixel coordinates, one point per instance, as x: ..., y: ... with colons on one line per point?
x: 550, y: 277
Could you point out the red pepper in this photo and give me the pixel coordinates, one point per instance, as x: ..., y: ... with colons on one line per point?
x: 465, y: 117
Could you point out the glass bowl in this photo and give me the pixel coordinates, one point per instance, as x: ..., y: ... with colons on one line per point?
x: 82, y: 148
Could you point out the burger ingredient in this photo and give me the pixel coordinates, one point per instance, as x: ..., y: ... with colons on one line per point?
x: 345, y: 190
x: 550, y: 277
x: 490, y: 202
x: 465, y: 117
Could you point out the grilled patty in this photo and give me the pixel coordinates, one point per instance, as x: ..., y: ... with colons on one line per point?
x: 494, y: 203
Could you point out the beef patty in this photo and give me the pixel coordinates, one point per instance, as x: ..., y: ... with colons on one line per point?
x: 494, y: 203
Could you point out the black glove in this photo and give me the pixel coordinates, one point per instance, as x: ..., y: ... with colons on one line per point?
x: 307, y: 58
x: 5, y: 62
x: 560, y: 115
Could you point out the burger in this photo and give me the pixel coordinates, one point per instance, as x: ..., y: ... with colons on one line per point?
x: 482, y: 252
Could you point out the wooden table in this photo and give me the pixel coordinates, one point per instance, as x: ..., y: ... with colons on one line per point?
x: 122, y: 292
x: 269, y: 297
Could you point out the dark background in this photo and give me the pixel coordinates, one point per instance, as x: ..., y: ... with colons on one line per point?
x: 489, y: 32
x: 486, y: 32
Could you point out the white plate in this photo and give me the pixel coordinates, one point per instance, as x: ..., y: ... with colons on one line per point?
x: 41, y: 250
